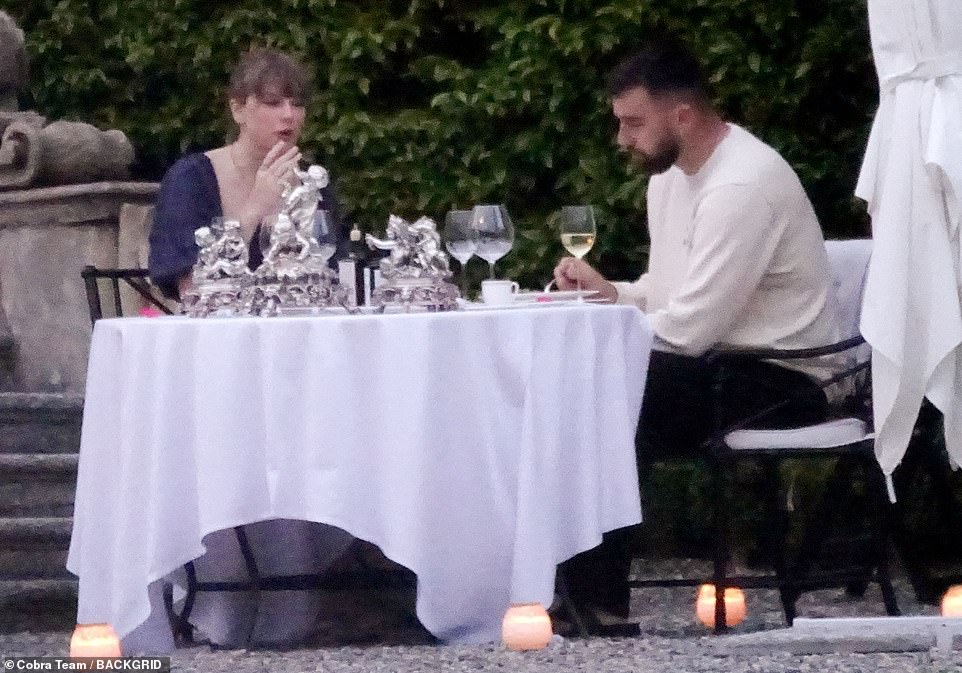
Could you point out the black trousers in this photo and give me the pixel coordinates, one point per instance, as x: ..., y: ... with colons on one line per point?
x: 680, y: 411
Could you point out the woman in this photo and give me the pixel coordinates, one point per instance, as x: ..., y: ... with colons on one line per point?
x: 244, y: 180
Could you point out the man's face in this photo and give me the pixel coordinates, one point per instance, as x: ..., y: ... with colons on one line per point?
x: 647, y: 128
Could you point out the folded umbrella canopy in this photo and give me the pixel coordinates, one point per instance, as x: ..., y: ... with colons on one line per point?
x: 912, y: 180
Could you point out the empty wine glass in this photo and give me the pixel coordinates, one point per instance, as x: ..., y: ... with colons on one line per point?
x: 461, y: 241
x: 495, y: 232
x: 323, y: 232
x: 577, y: 225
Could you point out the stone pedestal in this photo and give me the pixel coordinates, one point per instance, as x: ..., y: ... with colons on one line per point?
x: 46, y: 237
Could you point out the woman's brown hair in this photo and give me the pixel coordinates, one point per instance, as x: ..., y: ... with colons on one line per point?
x: 264, y: 72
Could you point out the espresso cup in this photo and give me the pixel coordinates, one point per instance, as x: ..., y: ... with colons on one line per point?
x: 498, y: 292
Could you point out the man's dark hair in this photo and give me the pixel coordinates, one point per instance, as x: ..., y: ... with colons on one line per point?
x: 661, y: 67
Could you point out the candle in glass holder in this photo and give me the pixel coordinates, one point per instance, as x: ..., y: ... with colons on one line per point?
x: 952, y: 602
x: 94, y: 640
x: 735, y: 608
x: 526, y: 626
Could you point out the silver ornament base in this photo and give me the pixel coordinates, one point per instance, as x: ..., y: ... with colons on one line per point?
x: 426, y: 294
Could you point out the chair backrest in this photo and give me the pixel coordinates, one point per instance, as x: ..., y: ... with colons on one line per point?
x: 849, y: 263
x: 97, y: 281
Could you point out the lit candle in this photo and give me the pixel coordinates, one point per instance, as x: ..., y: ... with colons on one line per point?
x: 952, y: 602
x: 94, y: 640
x: 735, y: 609
x: 526, y: 626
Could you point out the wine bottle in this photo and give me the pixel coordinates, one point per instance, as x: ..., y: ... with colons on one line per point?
x: 351, y: 268
x: 372, y: 278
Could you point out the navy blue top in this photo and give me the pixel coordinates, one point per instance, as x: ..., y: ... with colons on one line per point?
x: 189, y: 198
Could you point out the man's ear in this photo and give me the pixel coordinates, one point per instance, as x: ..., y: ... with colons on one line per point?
x: 683, y: 114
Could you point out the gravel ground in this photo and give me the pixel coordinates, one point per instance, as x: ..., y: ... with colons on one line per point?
x: 381, y: 637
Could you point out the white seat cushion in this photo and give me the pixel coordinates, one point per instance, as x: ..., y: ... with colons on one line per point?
x: 822, y: 436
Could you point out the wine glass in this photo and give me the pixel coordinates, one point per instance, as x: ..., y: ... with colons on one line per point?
x: 461, y: 241
x: 577, y: 224
x: 324, y: 233
x: 495, y: 233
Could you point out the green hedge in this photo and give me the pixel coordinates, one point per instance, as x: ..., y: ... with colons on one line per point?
x: 422, y: 105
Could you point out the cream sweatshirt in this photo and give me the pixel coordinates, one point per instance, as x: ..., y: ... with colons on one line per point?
x: 737, y: 257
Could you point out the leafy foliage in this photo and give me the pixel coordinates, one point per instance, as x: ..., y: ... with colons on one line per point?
x: 422, y: 105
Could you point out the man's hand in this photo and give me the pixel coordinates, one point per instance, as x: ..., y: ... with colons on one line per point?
x: 571, y: 269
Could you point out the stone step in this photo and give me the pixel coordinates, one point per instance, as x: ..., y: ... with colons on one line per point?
x: 39, y: 606
x: 37, y: 485
x: 41, y: 563
x: 34, y: 548
x: 14, y: 588
x: 40, y: 422
x: 36, y: 499
x: 38, y: 466
x: 32, y: 533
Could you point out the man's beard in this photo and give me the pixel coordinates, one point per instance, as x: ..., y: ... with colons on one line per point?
x: 663, y: 158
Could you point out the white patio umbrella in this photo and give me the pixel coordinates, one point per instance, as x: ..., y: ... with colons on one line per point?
x: 912, y: 180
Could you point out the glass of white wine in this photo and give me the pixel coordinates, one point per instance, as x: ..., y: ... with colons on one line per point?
x: 577, y: 224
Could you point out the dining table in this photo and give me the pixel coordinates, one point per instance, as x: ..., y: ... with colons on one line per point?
x: 478, y: 448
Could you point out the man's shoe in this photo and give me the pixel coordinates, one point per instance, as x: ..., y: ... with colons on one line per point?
x: 602, y: 623
x: 572, y: 621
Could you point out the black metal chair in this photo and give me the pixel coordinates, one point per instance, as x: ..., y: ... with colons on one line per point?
x: 846, y: 440
x: 136, y: 279
x: 357, y: 573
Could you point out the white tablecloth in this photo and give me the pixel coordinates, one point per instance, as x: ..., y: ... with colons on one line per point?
x: 478, y: 449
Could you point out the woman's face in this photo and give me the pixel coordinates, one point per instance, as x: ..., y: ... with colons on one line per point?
x: 266, y: 120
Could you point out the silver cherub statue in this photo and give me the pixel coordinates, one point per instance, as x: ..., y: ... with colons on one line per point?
x: 291, y: 237
x: 220, y: 272
x: 294, y: 277
x: 416, y: 270
x: 415, y: 250
x: 223, y: 253
x: 287, y: 241
x: 302, y: 201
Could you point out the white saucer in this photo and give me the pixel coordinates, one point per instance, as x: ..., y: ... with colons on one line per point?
x: 555, y: 295
x: 525, y: 304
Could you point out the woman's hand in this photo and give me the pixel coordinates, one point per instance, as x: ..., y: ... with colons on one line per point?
x: 570, y: 270
x: 273, y: 176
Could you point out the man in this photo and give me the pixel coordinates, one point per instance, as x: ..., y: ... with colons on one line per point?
x: 737, y: 260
